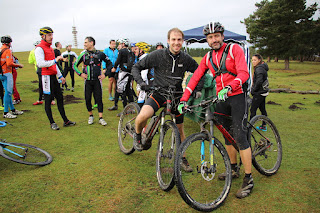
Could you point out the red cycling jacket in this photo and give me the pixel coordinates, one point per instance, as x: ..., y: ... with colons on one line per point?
x: 235, y: 63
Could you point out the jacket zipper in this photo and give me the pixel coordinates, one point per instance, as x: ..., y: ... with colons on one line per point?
x: 174, y: 63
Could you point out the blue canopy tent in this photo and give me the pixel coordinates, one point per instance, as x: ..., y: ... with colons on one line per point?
x: 195, y: 35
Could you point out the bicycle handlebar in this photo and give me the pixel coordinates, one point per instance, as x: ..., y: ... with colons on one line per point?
x: 203, y: 103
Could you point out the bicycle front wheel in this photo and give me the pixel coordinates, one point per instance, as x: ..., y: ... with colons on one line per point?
x: 266, y: 145
x: 169, y: 142
x: 126, y: 128
x: 201, y: 189
x: 25, y: 154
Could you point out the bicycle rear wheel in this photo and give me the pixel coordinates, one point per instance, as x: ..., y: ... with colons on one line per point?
x: 169, y: 142
x: 265, y: 144
x: 201, y: 189
x: 25, y: 154
x: 126, y: 128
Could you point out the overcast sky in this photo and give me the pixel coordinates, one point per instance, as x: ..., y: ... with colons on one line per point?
x: 138, y: 20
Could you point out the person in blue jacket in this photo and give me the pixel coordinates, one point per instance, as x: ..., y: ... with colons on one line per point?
x: 112, y: 54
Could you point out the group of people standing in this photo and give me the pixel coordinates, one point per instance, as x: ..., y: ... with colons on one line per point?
x: 125, y: 65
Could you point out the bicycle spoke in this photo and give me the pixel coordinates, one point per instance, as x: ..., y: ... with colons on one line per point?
x: 201, y: 188
x: 169, y: 138
x: 266, y: 145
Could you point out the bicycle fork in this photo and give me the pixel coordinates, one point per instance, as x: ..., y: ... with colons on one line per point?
x: 207, y: 169
x: 4, y: 145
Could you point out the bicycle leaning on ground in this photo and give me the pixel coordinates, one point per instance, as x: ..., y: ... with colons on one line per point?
x: 169, y: 139
x: 24, y: 153
x: 201, y: 189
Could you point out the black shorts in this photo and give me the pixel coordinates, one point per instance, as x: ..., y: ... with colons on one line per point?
x: 156, y: 101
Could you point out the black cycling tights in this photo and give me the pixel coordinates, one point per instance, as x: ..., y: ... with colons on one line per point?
x: 65, y: 73
x: 236, y: 106
x: 93, y: 86
x: 55, y: 93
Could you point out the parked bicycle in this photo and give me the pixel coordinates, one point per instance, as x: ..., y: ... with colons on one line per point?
x: 24, y: 153
x: 201, y: 189
x: 169, y: 139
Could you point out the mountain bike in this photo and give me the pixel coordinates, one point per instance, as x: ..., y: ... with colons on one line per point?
x: 169, y: 139
x: 201, y: 189
x: 24, y: 153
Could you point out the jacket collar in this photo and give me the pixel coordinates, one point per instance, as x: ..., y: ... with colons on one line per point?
x: 45, y: 43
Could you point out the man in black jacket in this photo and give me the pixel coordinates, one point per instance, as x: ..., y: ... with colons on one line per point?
x: 69, y: 57
x: 124, y: 76
x: 167, y: 63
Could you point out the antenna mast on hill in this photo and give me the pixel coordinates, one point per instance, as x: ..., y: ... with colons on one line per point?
x: 74, y: 32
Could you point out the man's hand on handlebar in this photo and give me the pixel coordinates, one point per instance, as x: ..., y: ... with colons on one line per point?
x: 182, y: 107
x: 223, y: 94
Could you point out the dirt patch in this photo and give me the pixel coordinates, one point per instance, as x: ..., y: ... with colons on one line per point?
x: 36, y: 81
x: 273, y: 103
x: 295, y: 107
x: 317, y: 102
x: 70, y: 99
x: 299, y: 103
x: 35, y: 90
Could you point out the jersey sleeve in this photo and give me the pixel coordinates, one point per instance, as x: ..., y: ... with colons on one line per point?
x: 143, y: 64
x: 241, y: 68
x: 9, y: 58
x: 107, y: 62
x: 116, y: 64
x: 76, y: 64
x: 31, y: 58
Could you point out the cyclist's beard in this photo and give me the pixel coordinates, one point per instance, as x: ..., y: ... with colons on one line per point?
x: 216, y: 45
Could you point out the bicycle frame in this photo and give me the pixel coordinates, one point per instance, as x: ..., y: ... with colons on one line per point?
x: 161, y: 118
x: 212, y: 121
x: 4, y: 145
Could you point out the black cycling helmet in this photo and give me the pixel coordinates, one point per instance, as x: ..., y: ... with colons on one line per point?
x: 213, y: 28
x: 159, y: 44
x: 6, y: 39
x: 45, y: 30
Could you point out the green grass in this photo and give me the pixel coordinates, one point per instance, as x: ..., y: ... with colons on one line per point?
x: 90, y: 174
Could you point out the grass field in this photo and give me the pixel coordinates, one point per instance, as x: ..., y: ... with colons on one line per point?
x: 90, y: 174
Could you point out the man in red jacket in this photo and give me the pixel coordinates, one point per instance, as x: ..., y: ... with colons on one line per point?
x: 47, y: 62
x: 230, y: 92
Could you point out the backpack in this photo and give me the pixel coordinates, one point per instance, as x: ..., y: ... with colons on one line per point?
x: 2, y: 51
x: 130, y: 60
x: 230, y: 42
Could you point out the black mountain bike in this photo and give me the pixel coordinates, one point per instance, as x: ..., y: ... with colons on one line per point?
x: 201, y: 189
x: 169, y: 139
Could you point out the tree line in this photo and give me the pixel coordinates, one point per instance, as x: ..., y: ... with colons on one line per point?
x: 284, y: 29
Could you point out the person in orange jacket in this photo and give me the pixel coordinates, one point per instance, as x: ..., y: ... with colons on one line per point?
x: 7, y: 64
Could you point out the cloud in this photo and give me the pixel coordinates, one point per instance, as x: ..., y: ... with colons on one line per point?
x: 139, y: 20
